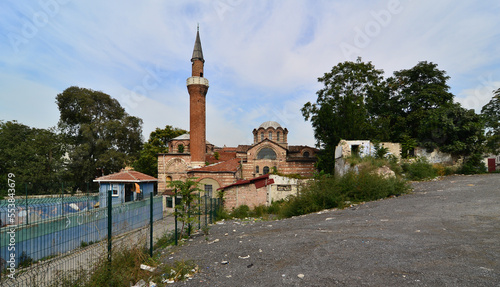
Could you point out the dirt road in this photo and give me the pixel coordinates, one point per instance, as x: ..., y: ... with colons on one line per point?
x: 446, y: 233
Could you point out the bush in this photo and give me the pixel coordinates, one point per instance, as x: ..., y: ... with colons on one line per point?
x: 419, y: 170
x: 473, y: 165
x: 221, y: 214
x: 241, y: 212
x: 259, y: 211
x: 332, y: 192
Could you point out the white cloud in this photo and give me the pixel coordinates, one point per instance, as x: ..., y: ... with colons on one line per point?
x: 262, y: 58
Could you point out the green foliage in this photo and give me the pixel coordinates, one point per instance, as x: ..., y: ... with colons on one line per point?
x: 413, y: 107
x: 180, y: 148
x: 419, y: 169
x: 188, y: 192
x: 25, y: 260
x: 453, y: 130
x: 491, y: 117
x: 158, y: 143
x: 33, y: 155
x: 216, y: 155
x: 166, y: 239
x: 408, y: 145
x: 331, y: 192
x: 473, y: 165
x: 102, y: 136
x: 380, y: 151
x: 241, y: 212
x: 222, y: 214
x: 340, y: 110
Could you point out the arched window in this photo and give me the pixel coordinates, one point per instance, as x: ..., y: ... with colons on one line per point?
x: 266, y: 153
x: 257, y: 169
x: 306, y: 154
x: 271, y: 135
x: 261, y: 136
x: 265, y: 170
x: 278, y: 136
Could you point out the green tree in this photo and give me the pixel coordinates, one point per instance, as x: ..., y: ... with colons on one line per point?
x: 340, y: 110
x: 34, y: 156
x: 411, y: 96
x: 188, y: 192
x: 453, y: 130
x: 158, y: 143
x: 491, y: 116
x: 102, y: 137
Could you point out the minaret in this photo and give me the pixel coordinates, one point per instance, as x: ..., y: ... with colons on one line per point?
x: 197, y: 87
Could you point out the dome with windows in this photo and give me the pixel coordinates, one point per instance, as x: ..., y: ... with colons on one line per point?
x: 269, y: 124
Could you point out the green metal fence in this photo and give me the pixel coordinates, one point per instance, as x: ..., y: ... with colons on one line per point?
x: 42, y: 239
x: 46, y: 239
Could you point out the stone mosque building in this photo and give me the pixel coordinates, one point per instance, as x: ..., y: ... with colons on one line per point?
x: 191, y: 155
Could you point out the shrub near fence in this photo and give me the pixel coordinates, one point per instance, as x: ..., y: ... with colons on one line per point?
x: 44, y: 228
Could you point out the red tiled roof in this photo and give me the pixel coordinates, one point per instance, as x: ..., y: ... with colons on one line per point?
x: 243, y: 148
x: 126, y: 176
x: 259, y: 182
x: 223, y: 156
x: 225, y: 166
x: 298, y: 148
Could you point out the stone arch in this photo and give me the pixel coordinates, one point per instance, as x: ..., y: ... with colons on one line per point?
x: 209, y: 186
x: 176, y: 165
x: 267, y: 152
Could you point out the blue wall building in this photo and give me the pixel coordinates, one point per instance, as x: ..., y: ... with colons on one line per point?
x: 126, y: 186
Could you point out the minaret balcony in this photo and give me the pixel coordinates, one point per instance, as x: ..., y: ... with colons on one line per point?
x: 197, y: 81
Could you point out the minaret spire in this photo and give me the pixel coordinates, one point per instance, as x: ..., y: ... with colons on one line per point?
x: 197, y: 51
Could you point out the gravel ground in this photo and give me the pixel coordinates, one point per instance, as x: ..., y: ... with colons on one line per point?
x: 445, y: 233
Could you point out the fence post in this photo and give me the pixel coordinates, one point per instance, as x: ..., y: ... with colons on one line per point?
x: 189, y: 219
x: 211, y: 209
x: 110, y: 223
x: 199, y: 210
x: 151, y: 226
x: 205, y: 209
x: 26, y: 198
x: 175, y: 220
x: 62, y: 198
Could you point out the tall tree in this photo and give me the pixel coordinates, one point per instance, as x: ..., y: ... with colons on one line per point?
x: 491, y: 115
x: 103, y: 138
x: 412, y: 95
x: 453, y: 130
x: 158, y: 143
x: 340, y: 110
x: 34, y: 156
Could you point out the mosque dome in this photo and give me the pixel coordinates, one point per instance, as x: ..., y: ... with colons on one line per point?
x: 268, y: 124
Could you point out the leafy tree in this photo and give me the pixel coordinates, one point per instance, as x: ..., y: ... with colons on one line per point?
x: 411, y: 96
x: 491, y: 115
x: 340, y: 110
x: 33, y: 155
x: 453, y: 130
x: 158, y: 143
x: 413, y: 107
x: 103, y: 138
x: 188, y: 192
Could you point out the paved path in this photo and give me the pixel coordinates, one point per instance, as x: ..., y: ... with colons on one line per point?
x: 446, y: 233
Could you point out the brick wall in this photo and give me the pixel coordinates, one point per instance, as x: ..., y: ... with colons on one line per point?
x: 244, y: 195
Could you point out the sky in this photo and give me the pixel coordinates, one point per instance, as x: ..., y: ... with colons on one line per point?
x: 262, y: 58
